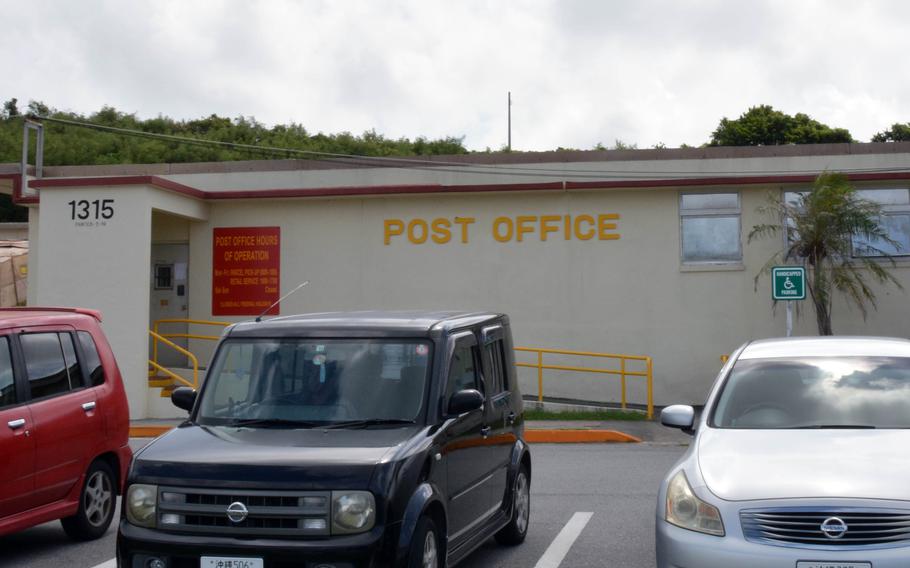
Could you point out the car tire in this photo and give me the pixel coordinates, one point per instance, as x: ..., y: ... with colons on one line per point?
x: 425, y: 551
x: 515, y: 532
x: 97, y: 501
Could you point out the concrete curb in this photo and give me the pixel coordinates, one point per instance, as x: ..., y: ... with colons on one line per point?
x: 533, y: 436
x: 149, y: 431
x: 579, y: 437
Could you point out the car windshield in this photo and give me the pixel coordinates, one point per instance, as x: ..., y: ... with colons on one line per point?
x: 312, y: 382
x: 816, y: 392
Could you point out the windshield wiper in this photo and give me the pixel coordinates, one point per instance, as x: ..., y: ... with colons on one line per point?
x: 837, y: 427
x: 368, y: 422
x: 274, y: 422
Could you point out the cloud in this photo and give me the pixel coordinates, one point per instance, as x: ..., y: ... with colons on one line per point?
x: 580, y: 71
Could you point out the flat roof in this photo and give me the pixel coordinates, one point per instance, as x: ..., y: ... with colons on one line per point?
x: 492, y: 158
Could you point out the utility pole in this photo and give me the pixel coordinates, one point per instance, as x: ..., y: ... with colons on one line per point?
x: 509, y: 146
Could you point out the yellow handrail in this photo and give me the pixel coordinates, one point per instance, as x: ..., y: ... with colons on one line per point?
x: 173, y: 375
x: 156, y: 329
x: 157, y: 337
x: 623, y: 372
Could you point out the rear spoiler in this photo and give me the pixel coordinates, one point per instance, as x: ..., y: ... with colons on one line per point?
x: 84, y: 311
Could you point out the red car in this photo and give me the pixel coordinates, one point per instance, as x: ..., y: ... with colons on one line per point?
x: 64, y: 422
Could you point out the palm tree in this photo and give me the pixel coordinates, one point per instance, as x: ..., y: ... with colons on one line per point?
x: 821, y: 227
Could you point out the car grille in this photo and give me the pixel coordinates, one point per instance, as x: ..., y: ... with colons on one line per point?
x: 269, y: 513
x: 801, y: 526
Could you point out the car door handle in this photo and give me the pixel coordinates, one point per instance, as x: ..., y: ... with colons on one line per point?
x: 485, y: 431
x: 89, y: 406
x: 16, y: 424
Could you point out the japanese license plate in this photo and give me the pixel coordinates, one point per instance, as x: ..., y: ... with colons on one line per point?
x: 833, y: 565
x: 230, y: 562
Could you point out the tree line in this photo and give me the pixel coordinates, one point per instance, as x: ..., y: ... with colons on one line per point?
x: 760, y: 125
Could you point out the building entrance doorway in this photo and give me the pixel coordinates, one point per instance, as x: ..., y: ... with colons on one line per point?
x: 169, y: 297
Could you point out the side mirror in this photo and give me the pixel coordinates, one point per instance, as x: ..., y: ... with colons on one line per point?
x: 184, y: 397
x: 465, y: 401
x: 679, y: 416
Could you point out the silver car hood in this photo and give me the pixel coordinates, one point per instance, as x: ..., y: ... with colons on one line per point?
x: 739, y: 465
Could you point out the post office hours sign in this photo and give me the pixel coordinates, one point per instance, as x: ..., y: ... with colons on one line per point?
x: 246, y: 270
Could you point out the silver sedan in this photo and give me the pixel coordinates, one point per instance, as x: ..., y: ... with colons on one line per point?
x: 801, y: 459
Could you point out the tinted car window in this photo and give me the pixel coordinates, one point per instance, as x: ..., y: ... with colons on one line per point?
x: 463, y: 371
x: 44, y: 364
x: 498, y: 378
x: 316, y: 380
x: 92, y: 361
x: 816, y: 392
x: 72, y: 362
x: 7, y: 382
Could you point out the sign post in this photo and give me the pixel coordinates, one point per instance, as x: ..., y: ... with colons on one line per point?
x: 788, y: 284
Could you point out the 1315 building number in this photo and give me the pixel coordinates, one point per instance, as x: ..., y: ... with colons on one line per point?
x: 97, y: 209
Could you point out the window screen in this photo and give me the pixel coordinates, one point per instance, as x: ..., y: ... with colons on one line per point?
x: 92, y: 360
x: 710, y: 227
x: 44, y: 364
x: 7, y: 381
x: 895, y: 221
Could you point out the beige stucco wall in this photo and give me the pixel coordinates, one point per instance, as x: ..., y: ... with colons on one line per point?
x: 622, y: 296
x: 630, y: 295
x: 106, y: 267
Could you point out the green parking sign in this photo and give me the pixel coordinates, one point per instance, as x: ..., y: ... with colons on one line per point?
x: 789, y: 283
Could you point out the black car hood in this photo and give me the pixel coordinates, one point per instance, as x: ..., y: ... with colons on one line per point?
x: 316, y: 459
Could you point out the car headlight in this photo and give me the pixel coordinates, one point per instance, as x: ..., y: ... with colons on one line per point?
x: 686, y: 510
x: 353, y: 511
x: 141, y: 504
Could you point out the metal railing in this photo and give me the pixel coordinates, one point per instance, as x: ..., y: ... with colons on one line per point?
x: 623, y: 371
x: 154, y: 366
x: 157, y: 337
x: 156, y: 331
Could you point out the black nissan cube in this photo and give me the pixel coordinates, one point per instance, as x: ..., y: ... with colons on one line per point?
x: 339, y: 440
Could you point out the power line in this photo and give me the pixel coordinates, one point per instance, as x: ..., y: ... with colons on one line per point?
x: 448, y: 166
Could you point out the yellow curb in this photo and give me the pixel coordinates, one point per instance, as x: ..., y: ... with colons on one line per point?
x: 148, y: 431
x: 532, y: 436
x: 578, y: 437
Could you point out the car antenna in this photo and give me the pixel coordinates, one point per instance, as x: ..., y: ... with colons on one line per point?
x: 278, y: 301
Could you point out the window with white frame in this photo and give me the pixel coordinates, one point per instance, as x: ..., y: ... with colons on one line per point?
x: 710, y: 227
x: 895, y: 220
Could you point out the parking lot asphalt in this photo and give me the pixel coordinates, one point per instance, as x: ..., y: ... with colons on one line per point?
x: 615, y: 483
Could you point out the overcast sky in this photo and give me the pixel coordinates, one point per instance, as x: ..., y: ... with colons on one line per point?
x: 580, y: 71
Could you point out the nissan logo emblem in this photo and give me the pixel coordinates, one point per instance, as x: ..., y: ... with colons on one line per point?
x: 237, y: 512
x: 834, y: 527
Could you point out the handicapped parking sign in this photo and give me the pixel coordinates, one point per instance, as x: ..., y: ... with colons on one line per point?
x: 789, y: 283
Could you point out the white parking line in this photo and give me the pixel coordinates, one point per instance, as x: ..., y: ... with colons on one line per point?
x: 552, y: 558
x: 560, y: 546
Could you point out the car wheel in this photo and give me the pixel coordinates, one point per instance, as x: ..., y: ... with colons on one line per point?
x: 425, y: 550
x: 96, y: 504
x: 517, y: 529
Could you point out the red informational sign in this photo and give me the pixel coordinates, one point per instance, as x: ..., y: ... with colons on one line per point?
x: 246, y: 265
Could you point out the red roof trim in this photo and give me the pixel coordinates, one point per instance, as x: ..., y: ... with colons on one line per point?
x: 18, y: 199
x: 169, y: 185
